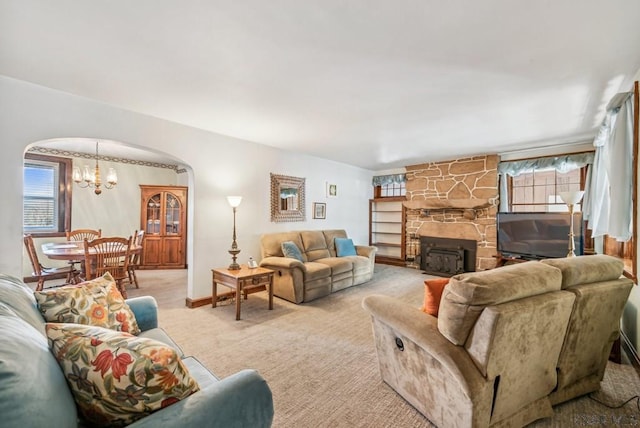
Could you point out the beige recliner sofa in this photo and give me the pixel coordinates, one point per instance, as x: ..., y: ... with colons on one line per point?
x: 507, y: 343
x: 321, y: 272
x: 601, y: 293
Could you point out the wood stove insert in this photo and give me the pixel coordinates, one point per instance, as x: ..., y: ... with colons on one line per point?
x: 447, y: 256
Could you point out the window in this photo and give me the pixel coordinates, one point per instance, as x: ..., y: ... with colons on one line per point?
x: 390, y: 190
x: 534, y: 185
x: 538, y: 190
x: 46, y: 195
x: 389, y: 186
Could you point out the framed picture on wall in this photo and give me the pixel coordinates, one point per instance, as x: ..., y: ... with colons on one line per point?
x: 319, y: 210
x: 332, y: 190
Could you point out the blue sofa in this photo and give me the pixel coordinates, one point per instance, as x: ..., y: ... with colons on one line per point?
x: 34, y: 392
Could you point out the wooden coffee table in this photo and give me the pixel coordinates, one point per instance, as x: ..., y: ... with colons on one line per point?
x: 243, y: 281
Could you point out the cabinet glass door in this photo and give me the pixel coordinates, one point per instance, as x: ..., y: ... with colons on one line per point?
x: 153, y: 214
x: 172, y: 214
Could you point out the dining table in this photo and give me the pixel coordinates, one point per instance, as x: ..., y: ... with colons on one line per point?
x: 73, y: 251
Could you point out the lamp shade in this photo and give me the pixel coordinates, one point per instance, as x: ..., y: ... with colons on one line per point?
x: 112, y: 176
x: 234, y: 201
x: 572, y: 197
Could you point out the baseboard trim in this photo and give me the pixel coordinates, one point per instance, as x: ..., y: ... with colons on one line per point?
x: 631, y: 352
x: 196, y: 303
x: 393, y: 261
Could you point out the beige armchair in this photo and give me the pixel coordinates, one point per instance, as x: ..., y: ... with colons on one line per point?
x: 489, y: 359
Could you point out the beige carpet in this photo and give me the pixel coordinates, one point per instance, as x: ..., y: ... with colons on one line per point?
x: 319, y: 359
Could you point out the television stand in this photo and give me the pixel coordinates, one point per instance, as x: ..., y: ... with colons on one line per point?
x: 504, y: 259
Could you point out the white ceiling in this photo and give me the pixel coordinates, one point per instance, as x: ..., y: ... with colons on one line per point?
x: 372, y: 83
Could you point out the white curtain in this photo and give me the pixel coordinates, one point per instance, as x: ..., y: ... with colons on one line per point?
x: 607, y: 204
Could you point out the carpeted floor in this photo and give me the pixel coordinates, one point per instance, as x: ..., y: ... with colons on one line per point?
x: 319, y: 358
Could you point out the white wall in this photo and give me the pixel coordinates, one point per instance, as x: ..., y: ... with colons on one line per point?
x: 219, y: 166
x: 116, y: 211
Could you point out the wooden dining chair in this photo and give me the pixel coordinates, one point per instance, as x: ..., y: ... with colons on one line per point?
x: 134, y: 259
x: 82, y: 234
x: 111, y: 255
x: 43, y: 273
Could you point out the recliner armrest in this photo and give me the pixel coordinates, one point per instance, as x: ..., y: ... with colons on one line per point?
x: 366, y: 250
x: 240, y: 400
x: 422, y: 329
x: 145, y: 309
x: 282, y: 262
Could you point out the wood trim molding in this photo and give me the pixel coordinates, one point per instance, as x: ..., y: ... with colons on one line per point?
x: 634, y: 193
x: 204, y: 301
x: 196, y: 303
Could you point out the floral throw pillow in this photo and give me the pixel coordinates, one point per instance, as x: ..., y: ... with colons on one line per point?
x: 96, y: 302
x: 117, y: 378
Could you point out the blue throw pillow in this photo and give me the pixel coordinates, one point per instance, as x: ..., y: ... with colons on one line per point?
x: 345, y: 247
x: 290, y: 249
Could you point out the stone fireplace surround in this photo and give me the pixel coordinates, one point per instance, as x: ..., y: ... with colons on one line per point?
x: 456, y: 199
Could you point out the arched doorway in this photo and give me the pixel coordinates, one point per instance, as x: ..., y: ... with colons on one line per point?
x: 116, y: 211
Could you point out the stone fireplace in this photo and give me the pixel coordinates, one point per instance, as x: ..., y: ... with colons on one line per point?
x: 455, y: 200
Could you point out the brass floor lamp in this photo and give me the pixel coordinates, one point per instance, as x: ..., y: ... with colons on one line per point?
x: 571, y: 199
x: 234, y: 201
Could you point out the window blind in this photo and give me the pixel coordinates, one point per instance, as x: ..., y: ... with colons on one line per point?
x: 40, y: 198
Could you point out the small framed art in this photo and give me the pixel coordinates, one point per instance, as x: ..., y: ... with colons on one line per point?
x: 319, y: 210
x: 332, y: 190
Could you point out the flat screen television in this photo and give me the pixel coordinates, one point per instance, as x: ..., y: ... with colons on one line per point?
x: 538, y: 235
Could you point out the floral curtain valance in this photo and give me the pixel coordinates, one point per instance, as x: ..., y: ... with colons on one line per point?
x: 382, y: 180
x: 562, y: 164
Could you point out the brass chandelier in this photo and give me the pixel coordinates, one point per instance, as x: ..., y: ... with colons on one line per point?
x: 91, y: 179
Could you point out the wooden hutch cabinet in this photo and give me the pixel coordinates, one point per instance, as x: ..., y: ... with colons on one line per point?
x: 163, y: 218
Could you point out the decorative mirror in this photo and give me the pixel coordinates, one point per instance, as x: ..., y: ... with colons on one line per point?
x: 287, y: 198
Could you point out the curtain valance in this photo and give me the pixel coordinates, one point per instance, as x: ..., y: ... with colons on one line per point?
x: 562, y: 164
x: 382, y: 180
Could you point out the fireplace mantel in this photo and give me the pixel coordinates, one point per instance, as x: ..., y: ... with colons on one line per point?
x: 437, y: 203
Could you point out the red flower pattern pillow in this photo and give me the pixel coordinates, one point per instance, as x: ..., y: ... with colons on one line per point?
x: 117, y: 378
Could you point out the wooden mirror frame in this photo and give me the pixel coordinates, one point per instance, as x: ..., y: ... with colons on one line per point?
x: 284, y: 181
